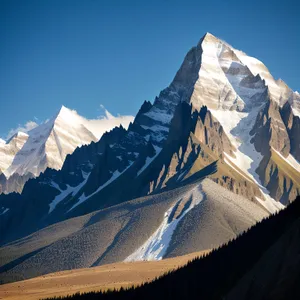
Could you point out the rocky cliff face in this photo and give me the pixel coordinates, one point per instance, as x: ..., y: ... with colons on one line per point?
x: 292, y: 124
x: 274, y: 136
x: 270, y: 131
x: 280, y: 177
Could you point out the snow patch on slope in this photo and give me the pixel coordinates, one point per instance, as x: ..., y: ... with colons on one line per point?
x: 237, y: 126
x: 156, y: 246
x: 230, y: 164
x: 114, y: 176
x: 296, y: 112
x: 290, y: 160
x: 181, y: 175
x: 155, y: 128
x: 149, y: 160
x: 64, y: 193
x: 4, y: 211
x: 159, y: 115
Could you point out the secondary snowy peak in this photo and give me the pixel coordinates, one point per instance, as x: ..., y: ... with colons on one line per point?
x: 97, y: 127
x: 48, y: 144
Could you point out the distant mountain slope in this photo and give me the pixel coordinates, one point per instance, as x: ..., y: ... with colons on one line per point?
x: 191, y: 218
x: 263, y: 263
x: 47, y: 145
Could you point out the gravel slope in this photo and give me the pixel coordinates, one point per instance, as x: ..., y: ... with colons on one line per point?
x: 221, y: 216
x: 111, y: 235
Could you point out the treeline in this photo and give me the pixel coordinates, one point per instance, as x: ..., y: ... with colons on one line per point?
x: 214, y: 275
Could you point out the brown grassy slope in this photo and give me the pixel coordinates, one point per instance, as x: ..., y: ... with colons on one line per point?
x: 90, y: 279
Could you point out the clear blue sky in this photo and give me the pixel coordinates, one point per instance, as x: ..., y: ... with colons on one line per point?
x: 120, y: 53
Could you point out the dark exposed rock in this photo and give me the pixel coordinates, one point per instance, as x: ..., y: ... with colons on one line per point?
x: 281, y: 179
x: 270, y: 131
x: 292, y: 124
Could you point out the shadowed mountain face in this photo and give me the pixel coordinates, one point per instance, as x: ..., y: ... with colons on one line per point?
x: 223, y: 119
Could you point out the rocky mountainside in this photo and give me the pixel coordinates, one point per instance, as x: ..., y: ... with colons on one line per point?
x: 196, y: 216
x: 223, y: 117
x: 25, y: 156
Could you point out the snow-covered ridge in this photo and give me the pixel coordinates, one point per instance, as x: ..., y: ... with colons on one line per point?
x: 96, y: 126
x: 278, y: 89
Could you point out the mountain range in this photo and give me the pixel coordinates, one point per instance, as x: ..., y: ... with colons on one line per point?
x: 26, y: 155
x: 216, y: 152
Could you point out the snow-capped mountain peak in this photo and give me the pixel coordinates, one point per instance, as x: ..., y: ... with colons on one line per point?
x: 48, y: 144
x: 235, y: 88
x: 220, y: 60
x: 68, y: 115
